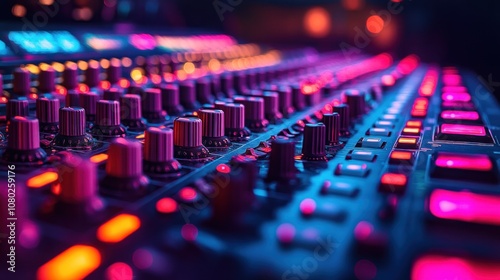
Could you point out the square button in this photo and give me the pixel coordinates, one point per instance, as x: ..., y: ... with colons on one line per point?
x: 389, y: 117
x: 462, y: 132
x: 371, y: 142
x: 411, y: 131
x: 402, y: 157
x: 384, y: 124
x: 408, y: 142
x: 458, y: 166
x: 378, y: 131
x: 339, y: 188
x: 393, y: 183
x: 361, y: 155
x: 351, y: 169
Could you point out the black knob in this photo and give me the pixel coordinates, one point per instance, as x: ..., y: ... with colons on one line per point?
x: 203, y: 91
x: 151, y: 106
x: 46, y: 79
x: 285, y: 101
x: 298, y: 100
x: 88, y: 101
x: 254, y: 113
x: 114, y: 71
x: 282, y: 160
x: 170, y: 99
x: 234, y: 122
x: 131, y: 112
x: 47, y: 112
x: 188, y: 95
x: 271, y: 110
x: 332, y: 124
x: 345, y: 118
x: 70, y: 76
x: 356, y: 101
x: 112, y: 93
x: 72, y: 98
x: 17, y: 107
x: 23, y: 146
x: 92, y: 74
x: 107, y: 124
x: 21, y: 83
x: 226, y: 83
x: 313, y: 145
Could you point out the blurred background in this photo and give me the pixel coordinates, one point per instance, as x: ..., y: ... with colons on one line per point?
x: 460, y: 32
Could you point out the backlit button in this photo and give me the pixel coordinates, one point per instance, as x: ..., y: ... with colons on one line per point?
x: 393, y: 111
x: 393, y: 183
x: 408, y: 142
x: 456, y: 96
x: 472, y: 167
x: 453, y: 115
x: 457, y: 105
x: 401, y: 157
x: 461, y: 132
x: 378, y: 131
x: 453, y: 267
x: 411, y: 131
x: 414, y: 123
x: 339, y: 188
x: 418, y: 113
x: 357, y: 170
x: 384, y: 124
x: 370, y: 142
x: 389, y: 117
x: 361, y: 155
x: 465, y: 206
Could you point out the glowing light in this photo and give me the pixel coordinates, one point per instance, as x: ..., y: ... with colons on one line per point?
x: 124, y: 83
x: 74, y: 263
x: 118, y: 228
x: 83, y: 88
x: 47, y: 2
x: 352, y: 4
x: 98, y: 158
x: 188, y: 194
x: 83, y: 65
x: 414, y: 124
x: 459, y: 115
x: 136, y: 74
x: 375, y: 24
x: 394, y: 179
x: 460, y: 129
x: 119, y: 271
x: 214, y: 65
x: 317, y: 22
x: 285, y: 233
x: 307, y: 206
x: 142, y: 41
x: 363, y: 230
x: 464, y: 161
x: 189, y: 232
x: 19, y: 10
x: 388, y: 80
x: 126, y: 62
x: 189, y: 67
x: 401, y: 155
x: 41, y: 180
x: 105, y: 84
x: 452, y: 267
x: 223, y: 168
x: 166, y: 205
x: 58, y: 67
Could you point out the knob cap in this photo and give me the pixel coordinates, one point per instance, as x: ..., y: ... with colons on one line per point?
x: 234, y: 122
x: 345, y: 117
x: 254, y: 113
x: 170, y: 99
x: 226, y: 83
x: 113, y: 93
x: 114, y: 71
x: 151, y: 106
x: 271, y: 110
x: 21, y: 84
x: 332, y: 124
x: 203, y: 91
x: 78, y: 179
x: 92, y: 74
x: 47, y: 112
x: 188, y: 138
x: 356, y: 101
x: 313, y: 146
x: 285, y: 101
x: 282, y: 160
x: 131, y: 112
x: 46, y: 80
x: 108, y: 120
x: 17, y: 107
x: 88, y: 101
x: 72, y: 98
x: 298, y: 99
x: 159, y: 151
x: 188, y: 95
x: 240, y: 82
x: 124, y: 167
x: 23, y: 146
x: 72, y: 129
x: 213, y: 128
x: 70, y: 76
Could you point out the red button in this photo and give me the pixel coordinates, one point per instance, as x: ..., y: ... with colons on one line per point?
x: 465, y: 206
x: 393, y: 183
x: 460, y: 129
x: 464, y: 167
x: 401, y: 157
x: 414, y: 123
x: 460, y: 115
x: 452, y: 267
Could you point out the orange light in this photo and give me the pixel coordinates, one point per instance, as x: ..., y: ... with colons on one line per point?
x: 401, y: 155
x: 75, y: 262
x: 393, y: 179
x: 352, y: 4
x: 19, y: 10
x: 388, y: 80
x: 137, y: 74
x: 140, y: 136
x: 317, y: 22
x: 124, y: 83
x: 156, y: 79
x: 83, y: 88
x: 404, y: 140
x: 418, y: 113
x: 61, y: 90
x: 118, y: 228
x: 414, y: 124
x: 3, y: 99
x: 126, y: 62
x: 56, y: 189
x: 105, y: 84
x: 99, y: 158
x: 33, y: 96
x: 166, y: 205
x: 41, y: 180
x: 411, y: 130
x: 189, y: 67
x: 375, y: 24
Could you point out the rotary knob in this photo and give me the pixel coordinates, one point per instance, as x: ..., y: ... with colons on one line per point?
x: 188, y: 138
x: 88, y: 101
x: 332, y: 124
x: 271, y: 111
x: 234, y: 122
x: 17, y: 107
x: 240, y: 82
x: 188, y: 95
x: 72, y: 99
x: 345, y: 118
x: 47, y: 112
x: 70, y: 76
x: 113, y: 93
x: 107, y: 123
x: 203, y: 91
x: 72, y: 129
x: 282, y: 161
x: 298, y: 100
x: 254, y: 113
x: 285, y: 101
x: 159, y: 152
x: 114, y: 71
x: 313, y: 145
x: 92, y: 74
x: 226, y: 83
x: 151, y: 106
x: 170, y: 99
x: 23, y: 146
x: 213, y: 129
x: 21, y: 84
x: 252, y: 77
x: 46, y: 80
x: 124, y: 168
x: 131, y: 112
x: 356, y: 101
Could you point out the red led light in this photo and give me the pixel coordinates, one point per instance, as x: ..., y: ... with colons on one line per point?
x: 394, y: 179
x: 363, y: 230
x: 166, y: 205
x: 119, y: 270
x: 462, y: 161
x: 223, y: 168
x: 105, y: 85
x: 465, y: 206
x: 388, y: 80
x: 414, y: 124
x: 188, y: 194
x: 83, y: 88
x: 451, y: 267
x: 401, y: 155
x: 456, y: 96
x: 452, y: 79
x: 459, y: 115
x: 307, y: 206
x: 460, y: 129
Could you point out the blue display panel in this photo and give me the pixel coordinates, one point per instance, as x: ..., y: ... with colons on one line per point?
x: 44, y: 42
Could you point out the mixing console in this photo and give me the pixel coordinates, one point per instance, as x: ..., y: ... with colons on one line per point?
x: 152, y: 156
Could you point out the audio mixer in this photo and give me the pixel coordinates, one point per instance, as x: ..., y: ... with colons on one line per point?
x: 197, y: 156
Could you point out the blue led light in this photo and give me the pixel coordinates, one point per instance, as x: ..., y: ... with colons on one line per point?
x: 45, y: 42
x: 3, y: 48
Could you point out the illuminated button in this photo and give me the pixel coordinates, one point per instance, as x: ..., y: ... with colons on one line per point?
x: 465, y: 206
x: 453, y: 267
x: 416, y: 113
x: 451, y: 115
x: 76, y: 262
x: 370, y: 142
x: 401, y: 157
x: 414, y: 123
x: 118, y: 228
x: 361, y: 155
x: 472, y: 167
x: 456, y: 96
x: 408, y: 142
x: 384, y: 124
x: 389, y: 117
x: 393, y: 183
x: 411, y: 131
x: 357, y: 170
x: 339, y: 188
x: 376, y: 131
x: 462, y: 132
x: 393, y: 111
x: 457, y: 105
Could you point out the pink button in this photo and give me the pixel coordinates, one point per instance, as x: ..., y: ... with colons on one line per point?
x: 456, y: 96
x: 452, y: 267
x: 464, y: 161
x: 460, y: 115
x: 460, y: 129
x: 451, y: 89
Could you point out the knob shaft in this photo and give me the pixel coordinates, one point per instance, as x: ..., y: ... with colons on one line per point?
x: 282, y: 161
x: 188, y: 138
x: 72, y: 98
x: 47, y: 112
x: 313, y: 146
x: 92, y: 74
x: 213, y: 128
x: 159, y: 151
x: 114, y: 71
